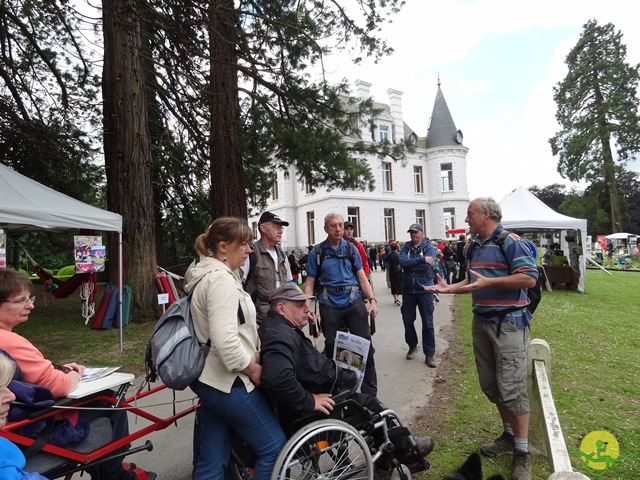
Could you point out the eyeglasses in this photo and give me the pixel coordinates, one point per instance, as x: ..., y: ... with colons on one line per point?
x: 22, y: 301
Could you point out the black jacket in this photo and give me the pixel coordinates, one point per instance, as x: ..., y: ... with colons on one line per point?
x: 292, y: 368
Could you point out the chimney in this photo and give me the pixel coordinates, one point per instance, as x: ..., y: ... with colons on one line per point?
x: 363, y: 89
x: 395, y: 107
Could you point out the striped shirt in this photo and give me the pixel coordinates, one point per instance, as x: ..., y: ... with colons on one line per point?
x: 488, y: 260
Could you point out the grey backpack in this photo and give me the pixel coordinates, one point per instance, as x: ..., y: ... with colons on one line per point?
x: 174, y: 353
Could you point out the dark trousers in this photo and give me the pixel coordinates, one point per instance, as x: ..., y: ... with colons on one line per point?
x: 355, y: 318
x: 424, y: 302
x: 462, y: 270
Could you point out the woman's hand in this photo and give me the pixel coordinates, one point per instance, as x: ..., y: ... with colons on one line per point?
x: 75, y: 367
x: 254, y: 372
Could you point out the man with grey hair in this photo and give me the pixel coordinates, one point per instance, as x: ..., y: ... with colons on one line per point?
x: 498, y: 281
x: 337, y: 266
x: 267, y: 267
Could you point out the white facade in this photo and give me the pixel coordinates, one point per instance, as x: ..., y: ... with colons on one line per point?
x: 429, y: 188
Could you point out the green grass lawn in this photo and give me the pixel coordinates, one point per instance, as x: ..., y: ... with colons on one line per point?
x: 594, y: 340
x: 595, y: 344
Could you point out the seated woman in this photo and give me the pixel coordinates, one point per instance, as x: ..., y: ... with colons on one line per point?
x: 16, y: 304
x: 12, y: 460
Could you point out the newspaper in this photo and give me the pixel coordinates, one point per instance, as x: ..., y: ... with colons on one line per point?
x: 94, y: 373
x: 351, y: 351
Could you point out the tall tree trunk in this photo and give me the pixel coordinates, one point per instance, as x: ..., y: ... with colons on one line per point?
x: 612, y: 184
x: 156, y: 126
x: 227, y: 172
x: 126, y: 147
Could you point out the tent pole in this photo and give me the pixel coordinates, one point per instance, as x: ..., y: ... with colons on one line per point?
x: 120, y: 285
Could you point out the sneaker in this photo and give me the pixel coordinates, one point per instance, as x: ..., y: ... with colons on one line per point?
x: 411, y: 353
x: 436, y: 297
x: 521, y: 466
x: 429, y: 361
x: 503, y: 445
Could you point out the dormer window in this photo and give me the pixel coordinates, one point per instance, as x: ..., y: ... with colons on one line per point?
x: 383, y: 133
x: 413, y: 138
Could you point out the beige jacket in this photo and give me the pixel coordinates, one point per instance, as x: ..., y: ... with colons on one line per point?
x: 214, y: 310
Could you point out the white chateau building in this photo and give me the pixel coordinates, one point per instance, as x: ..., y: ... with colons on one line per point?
x: 430, y: 188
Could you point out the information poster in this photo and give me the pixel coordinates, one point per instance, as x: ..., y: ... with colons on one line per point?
x: 89, y: 253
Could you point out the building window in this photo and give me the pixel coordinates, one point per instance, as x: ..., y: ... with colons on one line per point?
x: 254, y: 226
x: 421, y: 217
x: 383, y: 133
x: 311, y: 228
x: 417, y: 179
x: 449, y: 218
x: 353, y: 216
x: 308, y: 186
x: 387, y: 180
x: 274, y: 190
x: 446, y: 175
x: 389, y: 224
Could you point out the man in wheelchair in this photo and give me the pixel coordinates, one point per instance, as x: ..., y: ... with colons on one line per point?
x: 301, y: 382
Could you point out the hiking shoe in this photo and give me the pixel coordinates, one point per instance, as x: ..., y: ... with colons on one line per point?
x: 425, y: 445
x: 521, y: 465
x: 436, y: 297
x: 412, y: 352
x: 430, y: 362
x: 503, y: 445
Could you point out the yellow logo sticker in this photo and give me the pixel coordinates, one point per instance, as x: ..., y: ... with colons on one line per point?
x: 600, y: 451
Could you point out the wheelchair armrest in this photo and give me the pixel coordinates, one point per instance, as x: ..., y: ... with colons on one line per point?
x: 342, y: 395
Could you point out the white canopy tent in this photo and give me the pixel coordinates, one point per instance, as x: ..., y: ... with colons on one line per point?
x: 29, y: 206
x: 522, y: 211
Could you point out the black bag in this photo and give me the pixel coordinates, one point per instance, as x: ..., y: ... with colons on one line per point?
x: 174, y: 352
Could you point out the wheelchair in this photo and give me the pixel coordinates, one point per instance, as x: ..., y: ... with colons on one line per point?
x: 351, y: 443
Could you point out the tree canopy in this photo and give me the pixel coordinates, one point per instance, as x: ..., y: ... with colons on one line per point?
x: 597, y: 106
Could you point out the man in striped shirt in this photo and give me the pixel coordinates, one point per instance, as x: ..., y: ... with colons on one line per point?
x: 498, y: 279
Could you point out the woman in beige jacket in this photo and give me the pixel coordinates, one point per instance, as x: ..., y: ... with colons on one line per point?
x: 224, y: 313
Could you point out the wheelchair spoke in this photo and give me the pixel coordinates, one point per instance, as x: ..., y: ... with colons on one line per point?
x: 329, y: 450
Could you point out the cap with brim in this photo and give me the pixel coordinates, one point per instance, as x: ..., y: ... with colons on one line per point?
x: 416, y: 227
x: 288, y: 291
x: 272, y: 217
x: 348, y: 225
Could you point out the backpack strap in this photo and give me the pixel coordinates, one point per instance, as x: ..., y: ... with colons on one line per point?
x: 321, y: 254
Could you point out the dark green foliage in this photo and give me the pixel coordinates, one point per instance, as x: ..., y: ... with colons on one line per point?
x: 48, y: 98
x: 286, y: 117
x: 552, y: 195
x: 593, y: 203
x: 598, y: 107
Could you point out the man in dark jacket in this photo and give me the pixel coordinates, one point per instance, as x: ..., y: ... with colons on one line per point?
x: 417, y: 258
x: 460, y: 258
x: 296, y: 377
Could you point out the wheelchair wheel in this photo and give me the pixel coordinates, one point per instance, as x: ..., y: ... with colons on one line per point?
x: 325, y: 449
